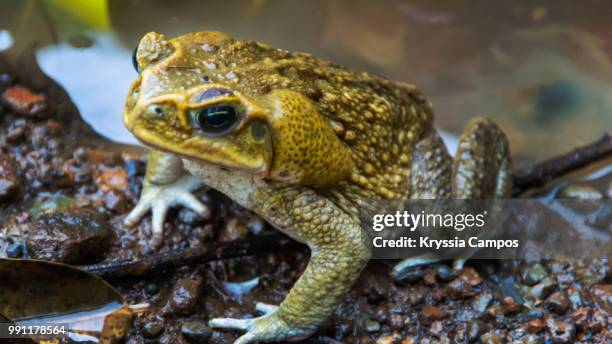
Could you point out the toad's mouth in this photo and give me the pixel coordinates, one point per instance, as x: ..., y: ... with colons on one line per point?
x: 212, y: 154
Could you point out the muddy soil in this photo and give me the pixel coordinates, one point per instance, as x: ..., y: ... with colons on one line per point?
x: 64, y: 192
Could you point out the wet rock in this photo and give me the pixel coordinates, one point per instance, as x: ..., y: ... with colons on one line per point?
x: 535, y: 325
x: 444, y: 273
x: 491, y: 338
x: 471, y: 276
x: 115, y: 179
x: 557, y: 302
x: 575, y: 299
x: 602, y: 295
x: 9, y: 181
x: 396, y: 321
x: 510, y: 305
x: 481, y: 302
x: 392, y: 339
x: 16, y: 130
x: 234, y: 229
x: 14, y: 250
x: 410, y: 275
x: 196, y: 332
x: 72, y: 236
x: 186, y: 294
x: 533, y: 274
x: 372, y: 326
x: 560, y: 331
x: 581, y: 317
x: 436, y: 328
x: 430, y: 278
x: 115, y: 200
x: 77, y: 172
x: 577, y: 191
x: 431, y: 313
x: 152, y: 329
x: 459, y: 288
x: 151, y: 289
x: 417, y: 296
x: 256, y: 225
x: 532, y: 339
x: 598, y: 322
x: 475, y: 328
x: 542, y: 289
x: 516, y: 333
x: 23, y: 101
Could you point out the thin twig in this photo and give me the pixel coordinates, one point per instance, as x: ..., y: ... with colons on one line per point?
x: 546, y: 171
x: 215, y: 251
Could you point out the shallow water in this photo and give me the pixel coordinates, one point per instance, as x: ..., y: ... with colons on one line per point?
x: 542, y: 71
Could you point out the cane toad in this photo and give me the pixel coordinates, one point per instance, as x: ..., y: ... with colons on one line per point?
x: 302, y: 142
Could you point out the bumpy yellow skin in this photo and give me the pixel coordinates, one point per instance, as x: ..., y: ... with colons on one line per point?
x: 315, y: 147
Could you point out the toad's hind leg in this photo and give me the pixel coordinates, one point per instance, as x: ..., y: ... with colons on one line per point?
x: 482, y: 167
x: 481, y: 170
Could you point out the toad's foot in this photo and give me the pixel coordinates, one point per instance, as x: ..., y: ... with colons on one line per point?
x: 160, y: 197
x: 401, y: 268
x: 266, y: 328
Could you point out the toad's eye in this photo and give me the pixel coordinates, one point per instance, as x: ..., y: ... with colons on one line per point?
x: 217, y: 120
x: 135, y: 60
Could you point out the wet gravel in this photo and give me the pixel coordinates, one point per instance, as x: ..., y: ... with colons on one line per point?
x: 63, y: 195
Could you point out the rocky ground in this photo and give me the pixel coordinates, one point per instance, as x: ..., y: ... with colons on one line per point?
x: 64, y: 192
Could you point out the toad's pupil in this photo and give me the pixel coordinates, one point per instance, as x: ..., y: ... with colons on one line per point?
x: 217, y: 118
x: 135, y: 60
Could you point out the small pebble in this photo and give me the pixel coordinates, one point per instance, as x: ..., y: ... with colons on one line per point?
x: 372, y: 326
x: 410, y: 275
x: 535, y: 326
x: 431, y: 313
x: 444, y: 272
x: 196, y: 332
x: 598, y: 322
x: 583, y: 192
x: 256, y: 225
x: 511, y: 305
x: 581, y: 317
x: 560, y: 331
x: 471, y: 276
x: 491, y: 338
x: 557, y: 302
x: 396, y: 321
x: 24, y: 101
x: 474, y: 329
x: 234, y: 229
x: 115, y: 200
x: 186, y: 293
x: 533, y: 274
x: 14, y: 250
x: 602, y: 295
x: 9, y: 181
x: 459, y: 288
x: 542, y: 289
x: 152, y: 329
x: 481, y: 301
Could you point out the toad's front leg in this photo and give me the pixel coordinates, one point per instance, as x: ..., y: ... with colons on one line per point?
x: 338, y: 254
x: 166, y: 184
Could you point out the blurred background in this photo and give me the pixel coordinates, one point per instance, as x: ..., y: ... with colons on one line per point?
x: 541, y: 69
